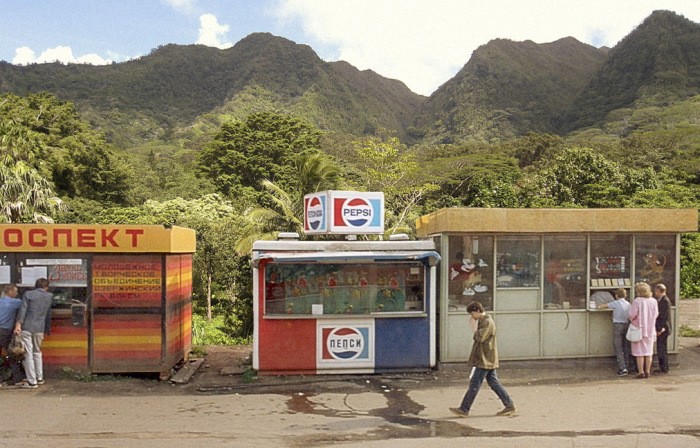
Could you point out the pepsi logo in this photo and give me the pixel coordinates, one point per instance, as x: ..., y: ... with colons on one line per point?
x: 357, y: 212
x: 314, y: 213
x: 345, y: 343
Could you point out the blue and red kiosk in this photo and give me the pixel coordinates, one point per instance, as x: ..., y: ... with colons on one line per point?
x: 344, y: 306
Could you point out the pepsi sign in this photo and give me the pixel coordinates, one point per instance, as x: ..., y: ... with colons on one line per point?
x: 345, y: 345
x: 357, y: 212
x: 344, y: 212
x: 315, y: 213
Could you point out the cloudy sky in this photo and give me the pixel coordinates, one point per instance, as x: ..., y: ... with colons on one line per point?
x: 420, y: 42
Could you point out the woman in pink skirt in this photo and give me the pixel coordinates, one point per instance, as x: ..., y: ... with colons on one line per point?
x: 643, y: 314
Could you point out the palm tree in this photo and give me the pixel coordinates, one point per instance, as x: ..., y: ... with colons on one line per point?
x: 315, y: 172
x: 26, y: 196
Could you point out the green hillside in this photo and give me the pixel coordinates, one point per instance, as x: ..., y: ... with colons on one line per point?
x: 509, y: 88
x: 656, y: 65
x: 148, y: 98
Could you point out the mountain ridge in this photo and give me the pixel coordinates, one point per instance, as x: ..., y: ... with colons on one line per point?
x: 504, y: 90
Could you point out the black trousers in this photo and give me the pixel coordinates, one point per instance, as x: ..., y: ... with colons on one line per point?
x: 662, y: 351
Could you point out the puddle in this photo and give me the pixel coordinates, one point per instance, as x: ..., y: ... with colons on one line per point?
x: 400, y: 413
x: 402, y: 421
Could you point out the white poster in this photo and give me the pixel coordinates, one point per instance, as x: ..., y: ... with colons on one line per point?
x: 4, y: 275
x: 31, y: 274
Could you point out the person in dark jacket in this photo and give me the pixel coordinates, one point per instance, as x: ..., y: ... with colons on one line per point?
x: 663, y: 328
x: 484, y: 359
x: 31, y: 325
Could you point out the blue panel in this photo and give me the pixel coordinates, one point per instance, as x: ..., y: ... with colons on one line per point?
x: 401, y: 343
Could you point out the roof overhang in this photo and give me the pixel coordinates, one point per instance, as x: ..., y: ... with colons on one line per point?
x: 557, y: 220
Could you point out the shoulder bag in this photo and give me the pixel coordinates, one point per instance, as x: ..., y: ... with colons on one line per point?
x: 634, y: 333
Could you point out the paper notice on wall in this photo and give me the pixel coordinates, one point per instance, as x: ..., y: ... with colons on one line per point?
x: 31, y: 274
x: 4, y: 274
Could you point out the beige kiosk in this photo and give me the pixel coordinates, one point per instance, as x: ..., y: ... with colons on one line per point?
x: 542, y: 274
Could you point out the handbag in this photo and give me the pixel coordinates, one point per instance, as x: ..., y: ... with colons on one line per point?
x: 16, y: 347
x: 634, y: 333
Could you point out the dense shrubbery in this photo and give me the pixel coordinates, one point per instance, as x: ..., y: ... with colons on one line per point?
x: 228, y: 142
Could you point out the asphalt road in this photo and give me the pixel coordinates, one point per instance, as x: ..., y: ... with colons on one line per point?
x: 559, y: 404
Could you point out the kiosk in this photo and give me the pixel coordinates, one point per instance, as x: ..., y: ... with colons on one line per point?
x: 122, y: 294
x: 541, y: 273
x: 325, y: 307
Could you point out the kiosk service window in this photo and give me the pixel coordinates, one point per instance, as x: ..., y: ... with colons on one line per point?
x: 314, y: 288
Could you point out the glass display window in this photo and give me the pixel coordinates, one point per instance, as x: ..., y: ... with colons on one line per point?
x: 518, y: 262
x: 470, y: 271
x: 654, y: 262
x: 315, y: 288
x: 67, y: 275
x: 565, y: 272
x: 610, y: 261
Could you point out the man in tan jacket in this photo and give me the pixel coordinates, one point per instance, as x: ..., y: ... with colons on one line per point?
x: 484, y: 359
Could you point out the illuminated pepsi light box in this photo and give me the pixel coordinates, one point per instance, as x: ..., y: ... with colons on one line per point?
x: 344, y: 212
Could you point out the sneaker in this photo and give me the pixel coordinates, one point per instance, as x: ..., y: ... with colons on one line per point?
x: 20, y: 383
x: 459, y: 413
x: 29, y: 386
x: 508, y: 410
x: 40, y: 382
x: 622, y: 372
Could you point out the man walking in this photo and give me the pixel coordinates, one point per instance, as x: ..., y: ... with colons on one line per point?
x: 9, y: 308
x: 31, y: 323
x: 484, y: 359
x: 663, y: 328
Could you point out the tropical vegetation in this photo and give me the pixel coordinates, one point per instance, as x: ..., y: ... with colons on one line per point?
x: 228, y: 142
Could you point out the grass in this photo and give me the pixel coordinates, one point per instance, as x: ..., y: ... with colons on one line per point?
x: 687, y: 332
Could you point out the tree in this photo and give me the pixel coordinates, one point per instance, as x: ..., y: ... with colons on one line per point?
x: 25, y: 196
x: 263, y: 146
x: 533, y: 147
x: 49, y: 136
x: 580, y: 177
x: 478, y: 179
x: 384, y: 164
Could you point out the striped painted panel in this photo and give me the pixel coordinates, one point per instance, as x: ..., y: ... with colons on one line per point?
x: 126, y: 342
x: 66, y: 346
x: 178, y: 313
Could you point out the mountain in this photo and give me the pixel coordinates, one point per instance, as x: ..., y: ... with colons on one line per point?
x: 509, y: 88
x: 657, y: 64
x: 147, y: 98
x: 506, y: 89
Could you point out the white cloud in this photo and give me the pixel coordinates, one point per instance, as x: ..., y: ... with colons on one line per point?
x: 425, y: 43
x: 24, y: 56
x: 62, y: 54
x: 211, y: 32
x: 185, y: 6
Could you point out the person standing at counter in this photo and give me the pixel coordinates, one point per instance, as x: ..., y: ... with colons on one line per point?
x: 620, y: 316
x: 643, y: 313
x: 663, y: 327
x: 9, y: 308
x: 31, y: 325
x: 484, y: 359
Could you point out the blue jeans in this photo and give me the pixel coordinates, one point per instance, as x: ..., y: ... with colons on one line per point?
x: 475, y: 384
x: 623, y: 350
